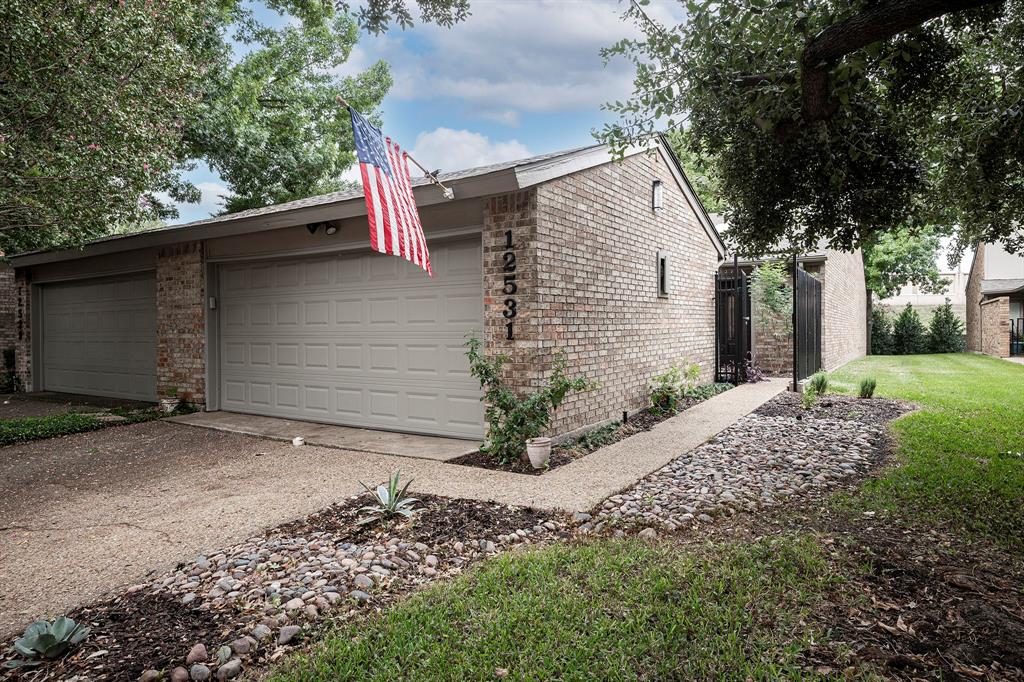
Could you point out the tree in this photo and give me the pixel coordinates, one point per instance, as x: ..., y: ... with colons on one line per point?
x: 700, y: 170
x: 902, y: 257
x: 837, y: 120
x: 103, y: 107
x: 908, y: 335
x: 945, y: 331
x: 881, y: 332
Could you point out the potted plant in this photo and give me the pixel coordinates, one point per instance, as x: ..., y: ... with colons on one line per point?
x: 170, y: 401
x: 539, y: 451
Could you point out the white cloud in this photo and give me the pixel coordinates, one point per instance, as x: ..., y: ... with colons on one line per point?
x: 509, y: 57
x: 452, y: 150
x: 212, y: 201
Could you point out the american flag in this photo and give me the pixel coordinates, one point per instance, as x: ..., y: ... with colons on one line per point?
x: 390, y: 206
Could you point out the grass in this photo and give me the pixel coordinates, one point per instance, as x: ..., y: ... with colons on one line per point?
x: 615, y: 610
x: 955, y: 467
x: 25, y: 429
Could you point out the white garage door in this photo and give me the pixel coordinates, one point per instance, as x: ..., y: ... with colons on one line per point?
x: 362, y: 340
x: 99, y: 337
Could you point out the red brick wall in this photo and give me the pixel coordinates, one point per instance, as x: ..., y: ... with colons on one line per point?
x: 8, y: 298
x: 596, y: 298
x: 181, y: 321
x: 995, y: 327
x: 974, y: 300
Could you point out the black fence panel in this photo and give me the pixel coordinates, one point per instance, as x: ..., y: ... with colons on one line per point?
x: 732, y: 326
x: 1017, y: 336
x: 807, y: 336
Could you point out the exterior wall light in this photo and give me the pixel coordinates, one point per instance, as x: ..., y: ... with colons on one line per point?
x: 331, y: 229
x: 657, y: 195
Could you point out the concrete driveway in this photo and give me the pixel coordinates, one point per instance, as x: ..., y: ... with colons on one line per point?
x: 88, y: 514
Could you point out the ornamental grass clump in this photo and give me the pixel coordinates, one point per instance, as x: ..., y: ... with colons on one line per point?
x: 818, y: 383
x: 867, y: 387
x: 512, y: 418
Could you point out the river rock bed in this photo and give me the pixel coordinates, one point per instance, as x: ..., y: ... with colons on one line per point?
x: 758, y: 462
x: 213, y: 616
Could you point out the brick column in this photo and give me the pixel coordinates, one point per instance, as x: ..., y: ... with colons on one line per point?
x: 515, y: 212
x: 181, y: 321
x: 995, y: 327
x: 23, y: 328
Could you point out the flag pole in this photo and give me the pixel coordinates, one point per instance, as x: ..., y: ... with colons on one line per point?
x: 447, y: 191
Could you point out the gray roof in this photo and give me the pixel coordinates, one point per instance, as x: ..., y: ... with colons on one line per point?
x: 1002, y: 286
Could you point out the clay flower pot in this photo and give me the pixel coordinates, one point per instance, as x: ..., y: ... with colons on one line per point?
x: 539, y: 452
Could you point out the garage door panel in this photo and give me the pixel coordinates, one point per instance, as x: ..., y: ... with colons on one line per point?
x: 99, y: 337
x: 363, y: 339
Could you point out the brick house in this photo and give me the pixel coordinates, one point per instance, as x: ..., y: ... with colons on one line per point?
x: 995, y: 302
x: 844, y: 310
x: 284, y: 311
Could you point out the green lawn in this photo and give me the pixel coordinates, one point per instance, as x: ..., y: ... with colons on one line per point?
x: 613, y: 610
x: 954, y: 465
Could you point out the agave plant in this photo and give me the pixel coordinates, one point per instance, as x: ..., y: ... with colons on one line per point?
x: 45, y: 640
x: 390, y: 500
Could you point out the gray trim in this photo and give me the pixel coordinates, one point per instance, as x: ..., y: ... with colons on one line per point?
x: 99, y: 274
x: 212, y: 328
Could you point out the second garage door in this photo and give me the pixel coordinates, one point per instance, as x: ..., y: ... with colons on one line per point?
x: 361, y: 340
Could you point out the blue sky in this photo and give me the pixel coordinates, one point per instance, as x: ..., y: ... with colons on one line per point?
x: 520, y: 77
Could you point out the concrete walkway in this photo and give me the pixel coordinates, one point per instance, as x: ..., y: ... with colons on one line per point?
x: 87, y: 514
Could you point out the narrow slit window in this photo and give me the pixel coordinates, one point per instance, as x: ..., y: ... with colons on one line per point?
x: 663, y: 274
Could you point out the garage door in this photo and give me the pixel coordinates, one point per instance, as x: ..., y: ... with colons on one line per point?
x: 361, y: 340
x: 99, y: 337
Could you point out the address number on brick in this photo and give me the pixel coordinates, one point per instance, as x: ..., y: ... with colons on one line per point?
x: 509, y: 286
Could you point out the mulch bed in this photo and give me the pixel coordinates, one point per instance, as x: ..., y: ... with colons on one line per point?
x: 569, y: 452
x: 439, y: 520
x: 836, y: 406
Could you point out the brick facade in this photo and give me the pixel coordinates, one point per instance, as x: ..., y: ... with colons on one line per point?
x: 181, y: 321
x: 994, y: 315
x: 594, y: 253
x: 772, y: 341
x: 974, y: 326
x: 844, y: 305
x: 23, y: 328
x: 7, y: 304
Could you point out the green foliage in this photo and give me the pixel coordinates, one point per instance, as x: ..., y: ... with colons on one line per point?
x: 513, y: 419
x: 917, y: 127
x: 908, y: 334
x: 818, y: 383
x: 881, y: 332
x: 705, y: 391
x: 594, y: 439
x: 770, y: 290
x: 389, y: 500
x: 599, y: 610
x: 23, y: 429
x: 47, y: 641
x: 9, y: 381
x: 945, y: 331
x: 103, y: 107
x: 866, y: 389
x: 669, y: 387
x: 376, y: 16
x: 903, y: 257
x: 808, y: 397
x: 700, y: 171
x: 951, y: 452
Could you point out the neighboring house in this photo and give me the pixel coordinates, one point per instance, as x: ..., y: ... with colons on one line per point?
x: 995, y: 302
x: 844, y: 311
x: 285, y: 311
x: 925, y: 303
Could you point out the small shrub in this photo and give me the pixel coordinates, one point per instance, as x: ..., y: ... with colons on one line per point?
x: 46, y: 641
x: 512, y: 419
x: 389, y: 500
x: 670, y: 387
x: 818, y: 383
x: 908, y: 333
x: 705, y: 391
x: 808, y: 397
x: 945, y: 331
x: 881, y: 332
x: 867, y: 387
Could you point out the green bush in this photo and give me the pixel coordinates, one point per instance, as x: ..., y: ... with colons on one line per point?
x: 945, y: 331
x: 881, y: 332
x: 908, y: 333
x: 818, y: 383
x: 24, y: 429
x: 867, y: 387
x: 513, y: 419
x: 670, y: 387
x: 705, y: 391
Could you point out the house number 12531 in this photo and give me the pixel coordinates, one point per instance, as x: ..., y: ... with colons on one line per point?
x: 509, y: 288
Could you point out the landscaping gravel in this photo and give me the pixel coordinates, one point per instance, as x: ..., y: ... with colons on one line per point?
x: 758, y: 462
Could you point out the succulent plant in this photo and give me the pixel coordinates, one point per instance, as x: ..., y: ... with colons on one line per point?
x: 46, y: 640
x: 390, y: 501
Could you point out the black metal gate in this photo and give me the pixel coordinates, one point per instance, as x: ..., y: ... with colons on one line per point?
x: 1017, y: 336
x: 732, y: 326
x: 807, y: 325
